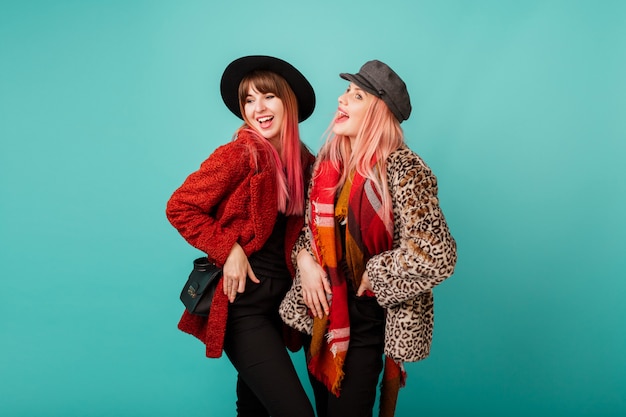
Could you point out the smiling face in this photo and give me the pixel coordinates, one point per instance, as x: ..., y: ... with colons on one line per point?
x: 353, y: 106
x: 264, y: 112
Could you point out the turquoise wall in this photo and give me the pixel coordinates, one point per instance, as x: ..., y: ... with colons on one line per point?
x: 519, y: 108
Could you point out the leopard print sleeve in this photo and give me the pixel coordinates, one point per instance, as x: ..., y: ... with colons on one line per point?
x: 424, y: 252
x: 303, y: 242
x: 292, y: 309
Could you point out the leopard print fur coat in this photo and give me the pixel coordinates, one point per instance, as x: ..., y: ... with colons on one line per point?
x: 423, y: 255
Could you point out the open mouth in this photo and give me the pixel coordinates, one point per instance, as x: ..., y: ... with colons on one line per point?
x: 265, y: 121
x: 341, y: 116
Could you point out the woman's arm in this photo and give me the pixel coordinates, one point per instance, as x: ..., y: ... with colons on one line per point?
x: 311, y: 277
x: 315, y: 285
x: 193, y: 207
x: 424, y: 252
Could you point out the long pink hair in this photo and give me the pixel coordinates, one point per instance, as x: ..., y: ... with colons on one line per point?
x: 379, y: 135
x: 289, y: 164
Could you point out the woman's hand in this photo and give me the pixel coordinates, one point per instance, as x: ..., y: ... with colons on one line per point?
x: 366, y: 285
x: 236, y: 270
x: 315, y: 284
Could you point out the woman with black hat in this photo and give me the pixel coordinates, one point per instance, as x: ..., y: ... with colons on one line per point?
x: 374, y: 246
x: 244, y: 208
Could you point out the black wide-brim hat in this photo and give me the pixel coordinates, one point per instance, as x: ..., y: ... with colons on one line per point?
x: 239, y: 68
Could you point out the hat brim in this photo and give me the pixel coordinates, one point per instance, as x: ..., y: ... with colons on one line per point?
x: 361, y: 82
x: 239, y: 68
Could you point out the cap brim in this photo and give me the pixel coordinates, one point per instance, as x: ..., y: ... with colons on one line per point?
x: 361, y: 82
x: 237, y: 70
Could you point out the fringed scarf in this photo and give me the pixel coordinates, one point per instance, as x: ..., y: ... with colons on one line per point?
x: 369, y: 231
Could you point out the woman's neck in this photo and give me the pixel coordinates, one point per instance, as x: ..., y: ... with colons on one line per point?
x: 276, y: 143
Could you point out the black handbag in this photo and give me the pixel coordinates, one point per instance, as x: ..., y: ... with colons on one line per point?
x: 197, y: 294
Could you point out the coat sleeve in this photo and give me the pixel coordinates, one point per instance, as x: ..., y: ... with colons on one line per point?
x: 193, y: 209
x: 424, y: 252
x: 292, y: 309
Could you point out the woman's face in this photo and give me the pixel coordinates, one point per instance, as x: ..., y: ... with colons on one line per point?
x: 353, y: 105
x: 264, y: 112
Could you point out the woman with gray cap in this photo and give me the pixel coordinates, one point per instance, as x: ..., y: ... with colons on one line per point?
x: 374, y: 245
x: 244, y: 208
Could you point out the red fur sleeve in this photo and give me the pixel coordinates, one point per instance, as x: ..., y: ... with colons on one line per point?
x: 216, y: 191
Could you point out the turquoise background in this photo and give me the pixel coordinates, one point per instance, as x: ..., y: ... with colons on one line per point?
x: 519, y: 108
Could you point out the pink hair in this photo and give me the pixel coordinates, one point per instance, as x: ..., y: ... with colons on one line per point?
x: 289, y: 164
x: 379, y: 135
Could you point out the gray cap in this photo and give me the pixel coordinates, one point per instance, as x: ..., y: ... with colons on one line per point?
x: 377, y: 78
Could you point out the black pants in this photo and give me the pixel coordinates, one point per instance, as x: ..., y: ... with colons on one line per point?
x: 362, y: 367
x: 267, y: 382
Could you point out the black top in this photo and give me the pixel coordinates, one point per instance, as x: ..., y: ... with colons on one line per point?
x: 269, y: 261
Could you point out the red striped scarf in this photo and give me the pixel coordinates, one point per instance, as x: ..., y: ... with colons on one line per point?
x: 369, y: 231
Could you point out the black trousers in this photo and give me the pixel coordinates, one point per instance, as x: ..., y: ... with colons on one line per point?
x: 362, y: 367
x: 267, y: 382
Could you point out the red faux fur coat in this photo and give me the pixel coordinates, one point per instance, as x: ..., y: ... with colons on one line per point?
x: 230, y: 199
